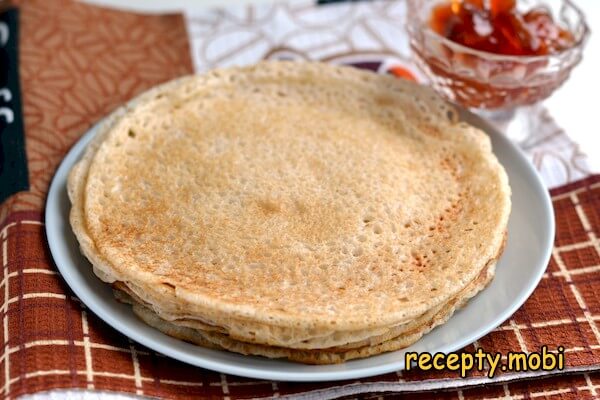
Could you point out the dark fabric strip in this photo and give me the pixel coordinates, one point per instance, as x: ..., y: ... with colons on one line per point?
x: 13, y: 161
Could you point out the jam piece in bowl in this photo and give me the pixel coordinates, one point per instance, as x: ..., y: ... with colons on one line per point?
x: 496, y: 54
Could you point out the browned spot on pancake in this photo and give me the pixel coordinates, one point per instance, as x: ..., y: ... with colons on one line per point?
x: 384, y: 101
x: 300, y: 207
x: 430, y: 130
x: 268, y: 206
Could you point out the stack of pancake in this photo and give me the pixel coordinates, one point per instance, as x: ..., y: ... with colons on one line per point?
x: 291, y: 210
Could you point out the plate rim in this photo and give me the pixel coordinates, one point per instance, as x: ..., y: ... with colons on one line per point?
x: 52, y: 214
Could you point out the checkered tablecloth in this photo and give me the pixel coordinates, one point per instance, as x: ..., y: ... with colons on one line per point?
x: 78, y: 62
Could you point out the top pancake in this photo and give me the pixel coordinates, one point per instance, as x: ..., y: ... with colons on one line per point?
x: 291, y: 194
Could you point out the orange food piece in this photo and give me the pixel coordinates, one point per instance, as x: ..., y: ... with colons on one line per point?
x: 401, y: 72
x: 496, y: 26
x: 498, y: 7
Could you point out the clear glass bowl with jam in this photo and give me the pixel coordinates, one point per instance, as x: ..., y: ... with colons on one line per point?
x: 496, y: 54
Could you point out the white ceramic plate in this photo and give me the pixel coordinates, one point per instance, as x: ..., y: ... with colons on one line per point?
x: 530, y: 237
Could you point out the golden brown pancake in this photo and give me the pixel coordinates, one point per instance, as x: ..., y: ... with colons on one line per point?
x: 290, y: 204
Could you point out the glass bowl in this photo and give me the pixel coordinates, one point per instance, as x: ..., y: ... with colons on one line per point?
x: 482, y: 80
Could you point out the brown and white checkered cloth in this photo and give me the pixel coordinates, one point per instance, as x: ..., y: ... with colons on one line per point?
x: 75, y: 70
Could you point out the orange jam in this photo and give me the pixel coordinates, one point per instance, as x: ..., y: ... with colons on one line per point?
x: 496, y: 26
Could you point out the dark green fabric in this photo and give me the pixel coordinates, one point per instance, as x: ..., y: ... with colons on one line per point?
x: 13, y: 161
